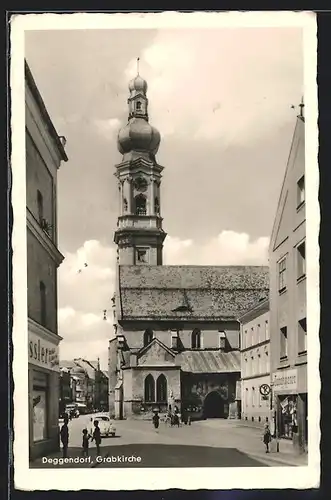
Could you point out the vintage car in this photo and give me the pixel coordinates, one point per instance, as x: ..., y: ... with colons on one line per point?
x: 72, y: 411
x: 106, y: 425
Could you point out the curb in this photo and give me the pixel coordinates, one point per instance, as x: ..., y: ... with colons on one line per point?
x: 276, y: 460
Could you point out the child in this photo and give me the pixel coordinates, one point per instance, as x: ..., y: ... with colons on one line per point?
x: 85, y: 444
x: 266, y: 436
x: 156, y: 420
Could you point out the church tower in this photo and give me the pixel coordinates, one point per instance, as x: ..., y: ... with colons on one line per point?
x: 139, y: 235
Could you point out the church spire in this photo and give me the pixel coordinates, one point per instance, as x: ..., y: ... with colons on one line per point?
x: 139, y: 235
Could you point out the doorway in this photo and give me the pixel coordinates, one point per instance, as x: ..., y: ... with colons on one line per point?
x: 213, y: 406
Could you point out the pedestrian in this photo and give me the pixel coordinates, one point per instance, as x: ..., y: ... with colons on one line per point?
x: 266, y: 436
x: 64, y: 434
x: 97, y: 436
x: 176, y: 419
x: 156, y: 420
x: 85, y: 444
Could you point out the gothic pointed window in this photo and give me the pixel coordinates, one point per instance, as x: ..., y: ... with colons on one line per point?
x: 140, y: 204
x: 196, y: 339
x: 148, y: 337
x: 149, y: 389
x: 125, y: 205
x: 138, y: 106
x: 161, y: 389
x: 157, y: 206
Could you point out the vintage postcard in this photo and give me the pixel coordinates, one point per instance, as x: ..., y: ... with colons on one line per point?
x: 165, y: 250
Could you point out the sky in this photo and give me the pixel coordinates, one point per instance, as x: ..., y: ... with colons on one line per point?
x: 222, y: 100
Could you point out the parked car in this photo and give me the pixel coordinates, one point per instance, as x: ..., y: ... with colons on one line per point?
x: 72, y: 411
x: 107, y: 427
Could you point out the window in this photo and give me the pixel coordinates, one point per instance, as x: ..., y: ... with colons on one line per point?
x: 161, y: 389
x: 196, y: 339
x: 174, y: 341
x: 246, y: 397
x: 222, y: 340
x: 157, y: 206
x: 39, y: 404
x: 245, y: 340
x: 301, y: 191
x: 125, y: 205
x: 252, y: 341
x: 253, y: 396
x: 282, y: 275
x: 301, y: 260
x: 140, y: 204
x: 258, y: 334
x: 148, y: 337
x: 43, y: 310
x: 267, y: 330
x: 283, y: 342
x: 138, y: 106
x: 302, y: 335
x: 258, y: 364
x: 40, y: 203
x: 141, y: 256
x: 252, y: 365
x: 245, y: 369
x: 149, y: 389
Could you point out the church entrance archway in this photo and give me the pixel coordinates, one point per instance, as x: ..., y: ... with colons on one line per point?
x: 213, y: 406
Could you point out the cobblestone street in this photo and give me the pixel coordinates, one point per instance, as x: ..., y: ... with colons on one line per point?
x: 209, y: 443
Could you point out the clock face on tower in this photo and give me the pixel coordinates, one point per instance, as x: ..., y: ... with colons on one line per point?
x: 140, y: 184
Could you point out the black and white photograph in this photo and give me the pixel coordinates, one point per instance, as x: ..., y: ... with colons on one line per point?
x: 165, y: 250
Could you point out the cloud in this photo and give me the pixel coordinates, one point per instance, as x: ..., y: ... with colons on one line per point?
x: 84, y: 293
x: 228, y: 248
x: 107, y: 128
x: 84, y: 296
x: 231, y: 85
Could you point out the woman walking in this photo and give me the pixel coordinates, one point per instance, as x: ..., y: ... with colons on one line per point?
x: 156, y: 421
x: 266, y: 436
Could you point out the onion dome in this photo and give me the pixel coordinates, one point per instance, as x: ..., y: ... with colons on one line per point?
x: 138, y: 84
x: 138, y: 135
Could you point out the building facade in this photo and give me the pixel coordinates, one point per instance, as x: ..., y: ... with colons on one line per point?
x: 288, y: 311
x: 44, y: 154
x: 255, y: 364
x: 176, y: 329
x: 88, y: 383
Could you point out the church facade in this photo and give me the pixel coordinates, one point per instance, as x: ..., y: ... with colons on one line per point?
x: 177, y: 334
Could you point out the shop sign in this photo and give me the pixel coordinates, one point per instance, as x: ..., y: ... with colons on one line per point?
x: 285, y: 380
x: 43, y: 353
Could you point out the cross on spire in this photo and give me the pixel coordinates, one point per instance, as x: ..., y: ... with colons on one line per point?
x: 138, y: 59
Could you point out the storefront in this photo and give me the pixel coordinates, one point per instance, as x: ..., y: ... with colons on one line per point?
x: 43, y: 390
x: 290, y: 397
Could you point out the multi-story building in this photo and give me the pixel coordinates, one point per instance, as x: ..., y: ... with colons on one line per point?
x: 177, y: 329
x: 288, y: 312
x: 255, y: 363
x: 89, y: 384
x: 44, y: 154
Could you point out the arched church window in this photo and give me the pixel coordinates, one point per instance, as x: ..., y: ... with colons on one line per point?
x: 196, y: 339
x: 161, y: 389
x: 140, y: 204
x: 125, y: 205
x: 149, y: 389
x: 148, y: 337
x: 138, y: 106
x: 157, y: 206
